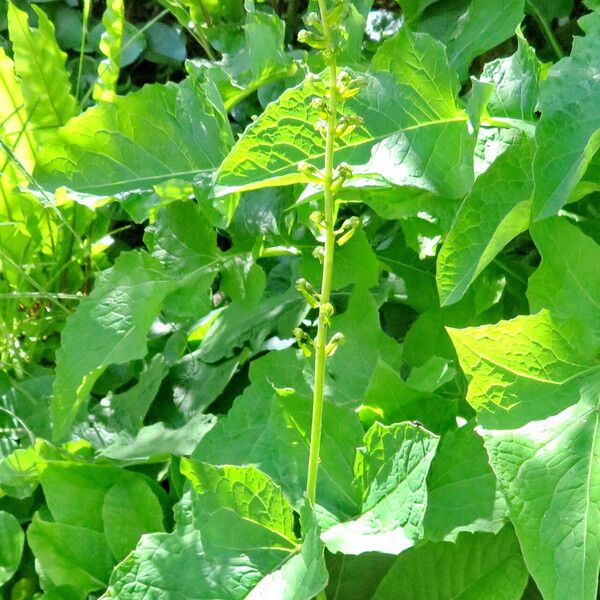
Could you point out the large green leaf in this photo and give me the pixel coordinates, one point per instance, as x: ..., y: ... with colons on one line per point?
x: 476, y: 567
x: 117, y: 316
x: 159, y: 133
x: 129, y: 510
x: 568, y: 133
x: 71, y: 555
x: 521, y: 365
x: 567, y: 281
x: 413, y: 133
x: 496, y: 210
x: 270, y: 428
x: 545, y: 451
x: 244, y: 547
x: 40, y: 64
x: 462, y: 492
x: 77, y: 493
x: 390, y: 471
x: 11, y: 546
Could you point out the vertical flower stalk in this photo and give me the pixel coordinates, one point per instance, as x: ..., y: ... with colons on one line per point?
x: 326, y: 33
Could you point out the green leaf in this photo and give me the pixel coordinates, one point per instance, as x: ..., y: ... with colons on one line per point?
x: 515, y: 363
x: 567, y: 134
x: 356, y: 577
x: 159, y: 133
x: 71, y: 555
x: 390, y: 470
x: 496, y: 211
x: 206, y: 563
x: 516, y: 82
x: 399, y: 119
x: 186, y: 245
x: 130, y: 509
x: 412, y: 9
x: 64, y: 592
x: 240, y: 509
x: 117, y: 315
x: 483, y: 25
x: 361, y: 329
x: 389, y: 399
x: 418, y: 275
x: 567, y: 281
x: 15, y: 128
x: 477, y: 567
x: 462, y: 492
x: 549, y: 9
x: 196, y: 384
x: 40, y: 64
x: 182, y: 238
x: 76, y: 492
x: 265, y: 43
x: 272, y: 431
x: 111, y: 43
x: 130, y: 407
x: 11, y: 546
x: 544, y: 452
x: 304, y: 575
x: 248, y: 323
x: 420, y: 62
x: 156, y: 443
x: 184, y: 569
x: 355, y: 263
x: 29, y: 400
x: 166, y: 45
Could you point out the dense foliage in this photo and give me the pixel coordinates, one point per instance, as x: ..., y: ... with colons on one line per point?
x: 177, y: 177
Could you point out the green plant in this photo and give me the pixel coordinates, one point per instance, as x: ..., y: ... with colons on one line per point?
x: 299, y: 313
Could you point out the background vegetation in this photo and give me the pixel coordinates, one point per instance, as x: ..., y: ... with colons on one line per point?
x: 155, y: 218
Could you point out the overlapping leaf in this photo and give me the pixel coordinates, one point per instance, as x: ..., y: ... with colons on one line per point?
x: 567, y: 281
x: 391, y: 471
x: 159, y: 133
x: 545, y: 450
x: 567, y: 136
x: 477, y: 567
x: 40, y: 64
x: 203, y: 563
x: 497, y: 209
x: 405, y: 122
x: 116, y: 316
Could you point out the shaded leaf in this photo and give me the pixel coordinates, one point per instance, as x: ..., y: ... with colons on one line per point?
x: 567, y: 281
x: 567, y: 135
x: 11, y: 546
x: 477, y: 567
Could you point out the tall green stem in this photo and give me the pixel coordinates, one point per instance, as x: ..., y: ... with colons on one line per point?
x: 325, y: 306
